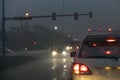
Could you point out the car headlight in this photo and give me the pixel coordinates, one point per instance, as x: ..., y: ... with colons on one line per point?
x: 67, y: 48
x: 64, y: 53
x: 71, y: 47
x: 54, y: 53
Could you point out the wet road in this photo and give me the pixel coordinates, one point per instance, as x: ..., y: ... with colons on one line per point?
x: 46, y: 67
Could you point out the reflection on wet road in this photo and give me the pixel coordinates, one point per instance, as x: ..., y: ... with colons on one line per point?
x: 46, y: 67
x: 60, y: 69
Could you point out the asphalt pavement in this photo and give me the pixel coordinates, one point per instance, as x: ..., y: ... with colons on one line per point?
x: 36, y: 65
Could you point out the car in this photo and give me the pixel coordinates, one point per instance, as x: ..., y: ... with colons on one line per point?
x: 98, y: 58
x: 59, y: 52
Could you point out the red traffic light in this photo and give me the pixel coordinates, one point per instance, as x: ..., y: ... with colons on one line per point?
x: 109, y: 29
x: 89, y: 30
x: 34, y: 43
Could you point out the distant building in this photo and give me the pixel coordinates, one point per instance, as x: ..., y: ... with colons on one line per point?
x: 38, y: 37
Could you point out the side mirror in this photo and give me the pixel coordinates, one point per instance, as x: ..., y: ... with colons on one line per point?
x: 72, y: 54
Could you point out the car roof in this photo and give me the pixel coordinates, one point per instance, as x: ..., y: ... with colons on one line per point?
x: 101, y: 37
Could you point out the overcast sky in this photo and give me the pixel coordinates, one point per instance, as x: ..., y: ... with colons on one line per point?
x: 106, y: 13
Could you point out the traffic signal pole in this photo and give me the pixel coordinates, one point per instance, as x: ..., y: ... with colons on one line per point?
x: 3, y: 27
x: 53, y: 16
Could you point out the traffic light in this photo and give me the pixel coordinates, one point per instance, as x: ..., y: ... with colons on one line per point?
x: 99, y: 30
x: 75, y: 16
x: 89, y: 30
x: 34, y: 43
x: 53, y: 16
x: 90, y: 14
x: 109, y: 29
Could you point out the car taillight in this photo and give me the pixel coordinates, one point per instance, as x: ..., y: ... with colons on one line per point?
x: 111, y: 40
x: 108, y: 52
x: 81, y: 69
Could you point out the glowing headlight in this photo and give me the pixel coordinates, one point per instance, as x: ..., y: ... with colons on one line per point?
x: 67, y: 48
x: 71, y: 48
x: 64, y: 60
x: 54, y: 53
x: 77, y: 47
x: 64, y: 53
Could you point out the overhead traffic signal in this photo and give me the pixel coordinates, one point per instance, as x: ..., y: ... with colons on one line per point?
x: 76, y: 16
x: 89, y: 30
x: 53, y: 16
x: 109, y: 30
x: 90, y: 14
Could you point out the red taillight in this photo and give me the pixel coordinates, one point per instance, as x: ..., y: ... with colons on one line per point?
x: 111, y: 40
x: 81, y: 69
x: 76, y: 68
x: 94, y: 45
x: 108, y: 52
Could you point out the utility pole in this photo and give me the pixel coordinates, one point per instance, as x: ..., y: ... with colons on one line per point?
x: 3, y: 27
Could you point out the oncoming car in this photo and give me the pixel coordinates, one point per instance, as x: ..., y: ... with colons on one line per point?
x: 97, y: 59
x: 59, y: 53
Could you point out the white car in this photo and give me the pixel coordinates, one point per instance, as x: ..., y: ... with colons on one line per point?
x: 97, y: 59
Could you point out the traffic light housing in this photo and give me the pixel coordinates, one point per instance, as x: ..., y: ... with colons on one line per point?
x: 90, y: 14
x: 53, y: 16
x: 76, y: 16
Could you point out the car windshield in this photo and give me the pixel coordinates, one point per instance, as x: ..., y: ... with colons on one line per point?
x: 99, y: 49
